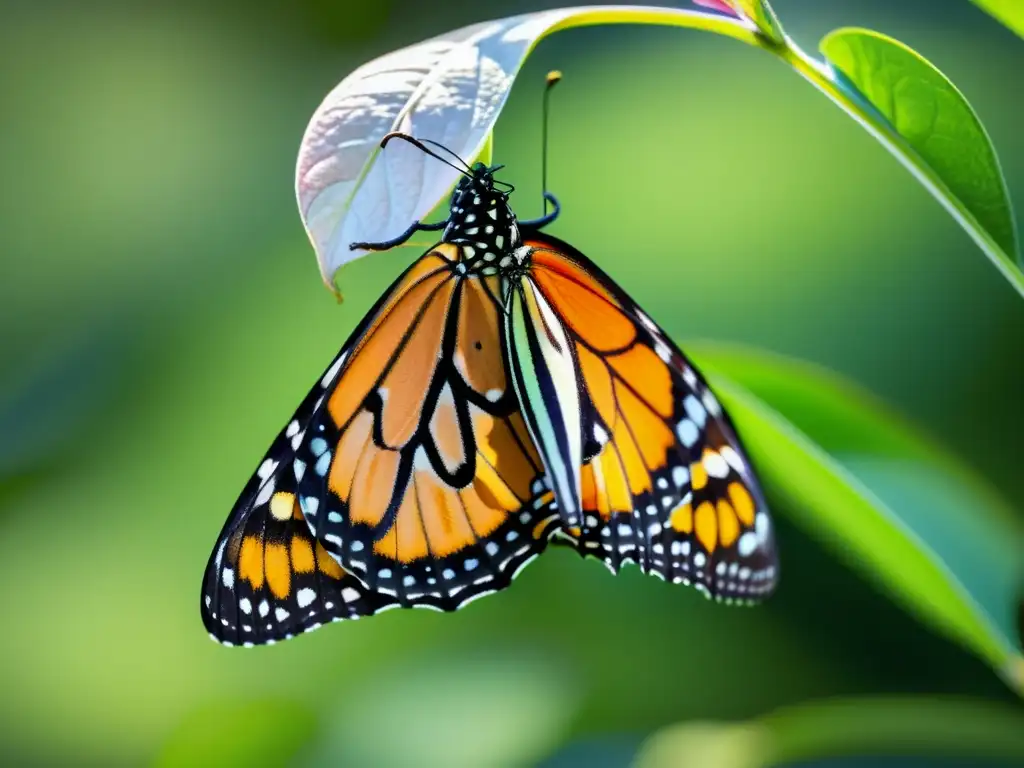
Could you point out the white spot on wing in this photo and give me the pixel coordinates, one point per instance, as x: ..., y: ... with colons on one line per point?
x: 332, y: 371
x: 687, y: 432
x: 711, y: 403
x: 305, y: 596
x: 732, y: 458
x: 695, y: 410
x: 762, y: 526
x: 715, y: 465
x: 266, y: 491
x: 747, y: 544
x: 323, y: 464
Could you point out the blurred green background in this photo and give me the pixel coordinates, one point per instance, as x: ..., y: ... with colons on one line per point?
x: 161, y: 314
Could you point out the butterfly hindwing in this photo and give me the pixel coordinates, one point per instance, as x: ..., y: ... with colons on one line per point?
x: 268, y: 579
x: 665, y: 481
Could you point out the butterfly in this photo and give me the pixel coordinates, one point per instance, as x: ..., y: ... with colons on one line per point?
x: 504, y: 393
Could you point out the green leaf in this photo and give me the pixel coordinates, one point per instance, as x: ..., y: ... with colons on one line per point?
x: 1009, y: 12
x: 946, y: 728
x: 935, y: 119
x: 240, y: 733
x: 888, y: 501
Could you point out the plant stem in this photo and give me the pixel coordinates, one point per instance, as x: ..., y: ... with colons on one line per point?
x: 824, y: 78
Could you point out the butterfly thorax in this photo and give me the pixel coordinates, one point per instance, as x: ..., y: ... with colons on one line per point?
x: 481, y: 220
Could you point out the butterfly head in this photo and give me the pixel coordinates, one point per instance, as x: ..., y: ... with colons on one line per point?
x: 481, y: 217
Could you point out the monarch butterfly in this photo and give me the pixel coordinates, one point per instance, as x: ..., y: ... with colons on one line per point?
x: 503, y: 392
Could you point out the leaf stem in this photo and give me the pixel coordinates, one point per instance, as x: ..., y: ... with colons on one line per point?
x: 831, y: 83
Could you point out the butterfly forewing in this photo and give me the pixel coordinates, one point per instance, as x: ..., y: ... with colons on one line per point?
x: 416, y: 472
x: 665, y: 481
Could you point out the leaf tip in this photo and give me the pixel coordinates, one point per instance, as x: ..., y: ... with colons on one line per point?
x: 333, y: 288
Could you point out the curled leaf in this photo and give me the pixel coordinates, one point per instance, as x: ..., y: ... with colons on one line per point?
x: 449, y: 89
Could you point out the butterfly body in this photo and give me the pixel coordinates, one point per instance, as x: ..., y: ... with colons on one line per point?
x: 504, y: 392
x: 483, y: 223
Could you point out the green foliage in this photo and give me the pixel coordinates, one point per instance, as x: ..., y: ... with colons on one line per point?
x: 928, y: 111
x: 940, y: 728
x: 869, y: 495
x: 1009, y: 12
x: 105, y: 538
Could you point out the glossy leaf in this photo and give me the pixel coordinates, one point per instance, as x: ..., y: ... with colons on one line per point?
x: 1009, y: 12
x: 895, y: 507
x: 942, y: 728
x: 934, y: 118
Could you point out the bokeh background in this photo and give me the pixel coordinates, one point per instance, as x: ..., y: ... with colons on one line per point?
x: 161, y: 313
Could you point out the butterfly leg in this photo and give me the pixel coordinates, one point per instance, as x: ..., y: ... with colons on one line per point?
x: 543, y: 221
x: 417, y: 226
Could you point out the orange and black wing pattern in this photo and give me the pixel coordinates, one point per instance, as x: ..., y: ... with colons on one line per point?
x: 416, y: 471
x: 405, y: 478
x: 665, y: 481
x: 268, y: 579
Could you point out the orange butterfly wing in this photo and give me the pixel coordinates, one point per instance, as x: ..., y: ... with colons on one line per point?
x: 666, y: 482
x: 268, y: 579
x: 416, y: 471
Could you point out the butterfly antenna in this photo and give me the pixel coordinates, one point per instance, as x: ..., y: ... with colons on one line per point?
x: 450, y: 152
x: 425, y: 149
x: 553, y: 79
